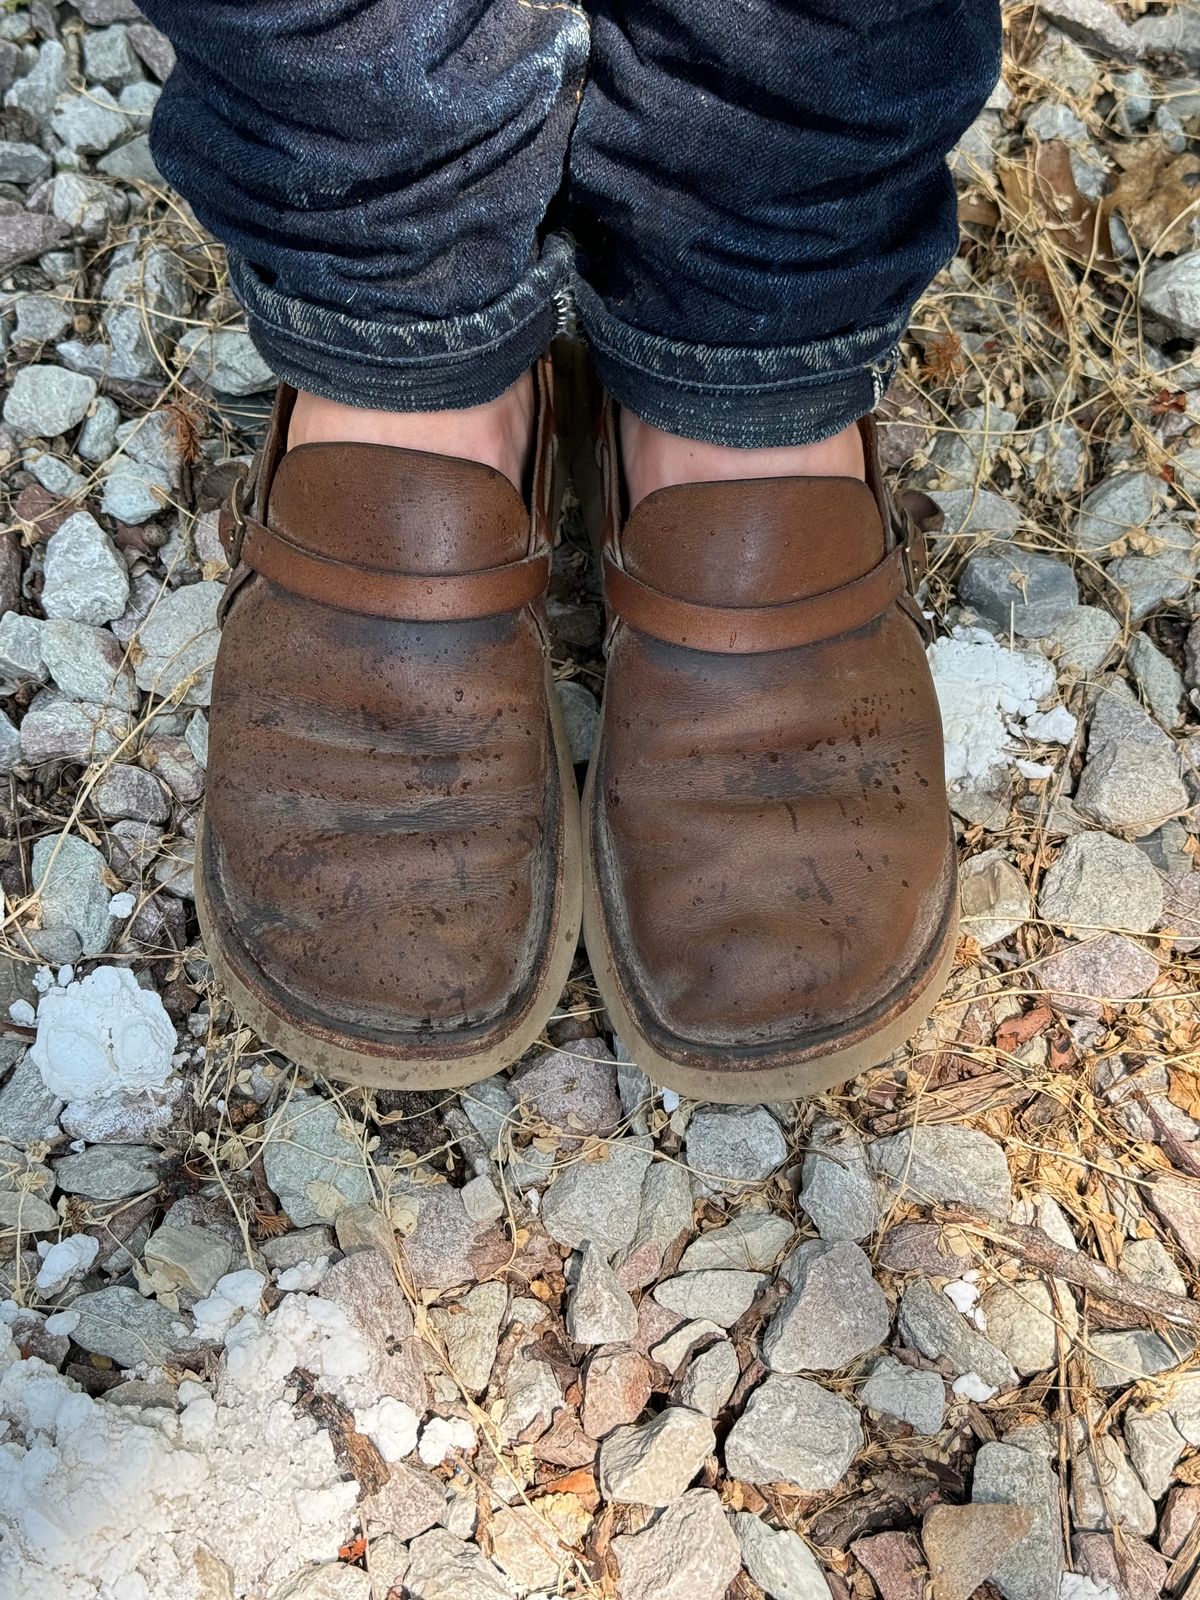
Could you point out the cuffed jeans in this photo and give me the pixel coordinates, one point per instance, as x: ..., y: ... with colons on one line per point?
x: 742, y: 199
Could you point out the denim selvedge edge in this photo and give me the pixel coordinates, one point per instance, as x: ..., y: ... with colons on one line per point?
x: 391, y: 364
x: 744, y: 398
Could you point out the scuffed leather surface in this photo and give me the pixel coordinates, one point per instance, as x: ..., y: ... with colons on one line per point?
x: 382, y: 800
x: 776, y: 862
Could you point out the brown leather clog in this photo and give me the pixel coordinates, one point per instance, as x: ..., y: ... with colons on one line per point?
x: 770, y: 876
x: 389, y: 868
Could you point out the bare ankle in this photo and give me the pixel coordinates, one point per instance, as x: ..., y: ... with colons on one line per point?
x: 652, y: 459
x: 499, y: 433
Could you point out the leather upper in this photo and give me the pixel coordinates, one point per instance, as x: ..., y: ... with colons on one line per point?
x: 770, y: 826
x: 383, y: 809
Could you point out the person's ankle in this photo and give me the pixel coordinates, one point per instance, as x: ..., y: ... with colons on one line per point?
x: 499, y: 433
x: 652, y: 459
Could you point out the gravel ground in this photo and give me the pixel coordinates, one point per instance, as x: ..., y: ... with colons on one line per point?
x: 929, y: 1336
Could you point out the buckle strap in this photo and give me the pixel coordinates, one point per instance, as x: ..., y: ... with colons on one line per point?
x: 374, y: 591
x: 756, y: 630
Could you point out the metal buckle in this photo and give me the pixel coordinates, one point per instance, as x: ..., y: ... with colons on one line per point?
x: 908, y: 530
x: 911, y: 581
x: 236, y: 524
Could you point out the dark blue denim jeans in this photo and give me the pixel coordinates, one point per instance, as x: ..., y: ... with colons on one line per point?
x: 742, y: 198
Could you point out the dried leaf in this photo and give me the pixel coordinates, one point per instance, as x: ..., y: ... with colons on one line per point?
x: 1020, y: 1030
x: 1155, y: 196
x: 1168, y: 400
x: 1183, y: 1089
x: 581, y: 1484
x: 978, y: 209
x: 1043, y: 194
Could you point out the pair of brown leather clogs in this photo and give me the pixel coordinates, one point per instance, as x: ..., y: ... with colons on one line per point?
x: 392, y: 871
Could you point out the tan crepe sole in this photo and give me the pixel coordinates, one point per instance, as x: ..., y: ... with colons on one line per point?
x: 341, y: 1059
x: 746, y: 1086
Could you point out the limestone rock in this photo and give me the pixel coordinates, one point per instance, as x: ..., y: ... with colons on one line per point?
x: 1137, y: 1572
x: 778, y: 1560
x: 965, y: 1544
x: 28, y: 1109
x: 179, y: 643
x: 145, y: 294
x: 581, y: 713
x: 1099, y: 882
x: 664, y: 1221
x: 689, y: 1553
x: 994, y: 897
x: 838, y: 1190
x: 24, y: 1212
x: 1155, y: 1445
x: 38, y: 91
x: 442, y: 1567
x: 711, y: 1378
x: 1080, y: 979
x: 447, y: 1246
x: 1171, y: 292
x: 1116, y: 507
x: 906, y: 1393
x: 752, y: 1241
x: 1106, y: 1492
x: 945, y: 1163
x: 313, y: 1160
x: 364, y: 1286
x: 616, y: 1389
x: 733, y: 1147
x: 1084, y: 638
x: 930, y: 1323
x: 1011, y: 1477
x: 719, y: 1294
x: 896, y: 1563
x: 534, y: 1544
x: 109, y: 1171
x: 184, y: 1256
x: 1129, y: 790
x: 69, y: 874
x: 1028, y: 590
x: 793, y: 1431
x: 1146, y: 1261
x: 118, y: 1323
x: 652, y: 1463
x: 835, y: 1313
x: 674, y: 1350
x: 964, y: 452
x: 226, y: 360
x: 1158, y: 678
x: 599, y: 1310
x: 598, y: 1200
x: 1116, y: 1358
x: 103, y: 1036
x: 573, y: 1089
x: 88, y: 123
x: 44, y: 401
x: 1022, y: 1321
x: 86, y: 580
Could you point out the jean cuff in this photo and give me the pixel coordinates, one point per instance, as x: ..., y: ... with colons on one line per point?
x: 742, y: 397
x: 389, y: 363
